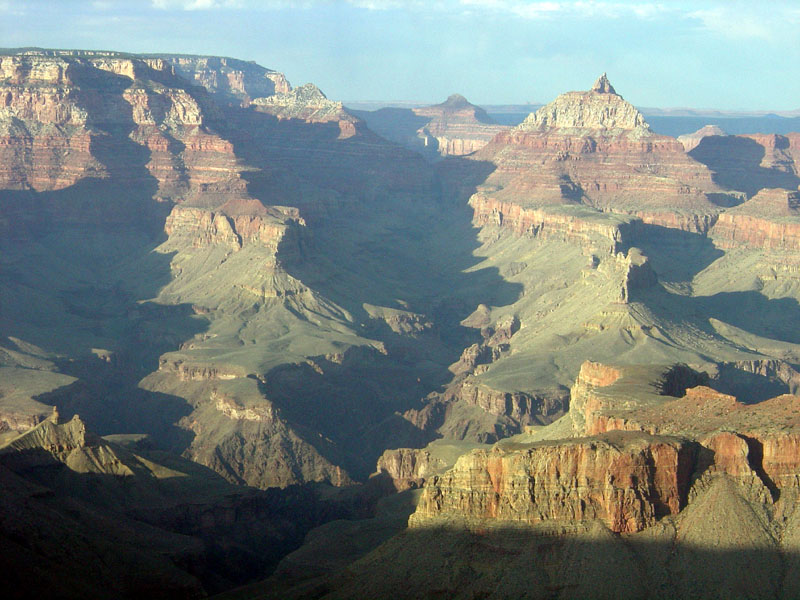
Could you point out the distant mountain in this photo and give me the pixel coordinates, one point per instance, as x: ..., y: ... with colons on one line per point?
x: 453, y: 128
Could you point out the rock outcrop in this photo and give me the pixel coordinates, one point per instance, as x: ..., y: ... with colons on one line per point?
x: 408, y: 468
x: 746, y: 440
x: 456, y: 127
x: 72, y: 116
x: 749, y: 163
x: 233, y: 225
x: 599, y: 112
x: 594, y: 232
x: 309, y: 104
x: 690, y: 141
x: 229, y: 78
x: 626, y: 480
x: 769, y: 220
x: 595, y: 149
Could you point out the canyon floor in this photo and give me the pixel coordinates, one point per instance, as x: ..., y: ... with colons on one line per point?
x: 256, y: 345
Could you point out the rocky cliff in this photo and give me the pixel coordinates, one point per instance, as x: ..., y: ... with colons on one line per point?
x: 749, y: 163
x: 456, y: 127
x: 87, y: 517
x: 231, y: 79
x: 746, y: 440
x: 594, y: 232
x: 627, y: 481
x: 244, y: 275
x: 69, y: 117
x: 309, y: 104
x: 768, y: 220
x: 594, y: 148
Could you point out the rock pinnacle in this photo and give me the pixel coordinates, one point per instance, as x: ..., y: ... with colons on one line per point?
x: 603, y: 85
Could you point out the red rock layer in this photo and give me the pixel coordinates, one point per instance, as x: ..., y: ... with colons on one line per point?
x: 457, y: 127
x: 781, y: 152
x: 44, y: 137
x: 626, y: 480
x: 595, y: 149
x: 65, y: 118
x: 650, y: 177
x: 770, y: 430
x: 771, y: 219
x: 551, y: 223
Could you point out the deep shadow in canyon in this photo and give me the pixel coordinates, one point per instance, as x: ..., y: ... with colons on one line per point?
x: 79, y: 269
x: 65, y: 534
x: 391, y: 242
x: 735, y: 163
x: 583, y: 562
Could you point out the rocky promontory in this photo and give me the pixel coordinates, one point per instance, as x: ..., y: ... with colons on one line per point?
x: 595, y: 149
x: 625, y: 480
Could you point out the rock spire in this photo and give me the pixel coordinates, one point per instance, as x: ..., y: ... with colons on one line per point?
x: 603, y: 85
x: 599, y: 111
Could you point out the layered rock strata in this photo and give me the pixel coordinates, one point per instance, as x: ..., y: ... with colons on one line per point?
x: 594, y: 148
x: 113, y: 117
x: 626, y: 480
x: 408, y: 468
x: 309, y: 104
x: 746, y: 439
x: 230, y: 78
x: 456, y: 127
x: 769, y: 220
x: 749, y: 163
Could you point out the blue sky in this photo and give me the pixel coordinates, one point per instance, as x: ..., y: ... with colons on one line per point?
x: 715, y: 54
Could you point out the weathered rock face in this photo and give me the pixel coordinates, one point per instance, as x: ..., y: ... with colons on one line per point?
x: 601, y: 235
x: 601, y: 110
x: 690, y: 141
x: 456, y: 127
x: 626, y: 480
x: 747, y: 441
x: 68, y: 116
x: 111, y: 519
x: 408, y: 468
x: 769, y: 220
x: 230, y: 78
x: 594, y: 148
x: 523, y: 409
x: 781, y: 152
x: 41, y: 123
x: 309, y: 104
x: 253, y: 224
x: 52, y: 441
x: 252, y: 445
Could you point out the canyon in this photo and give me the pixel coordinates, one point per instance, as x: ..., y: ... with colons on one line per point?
x: 320, y: 352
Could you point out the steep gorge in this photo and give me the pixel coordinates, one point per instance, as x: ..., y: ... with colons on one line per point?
x: 246, y: 275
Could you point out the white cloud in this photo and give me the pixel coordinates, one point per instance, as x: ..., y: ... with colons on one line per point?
x: 583, y: 9
x: 196, y: 4
x: 738, y: 20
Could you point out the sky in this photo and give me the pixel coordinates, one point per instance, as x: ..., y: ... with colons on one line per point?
x: 727, y: 55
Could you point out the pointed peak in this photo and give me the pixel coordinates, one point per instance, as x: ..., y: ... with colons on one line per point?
x: 603, y: 85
